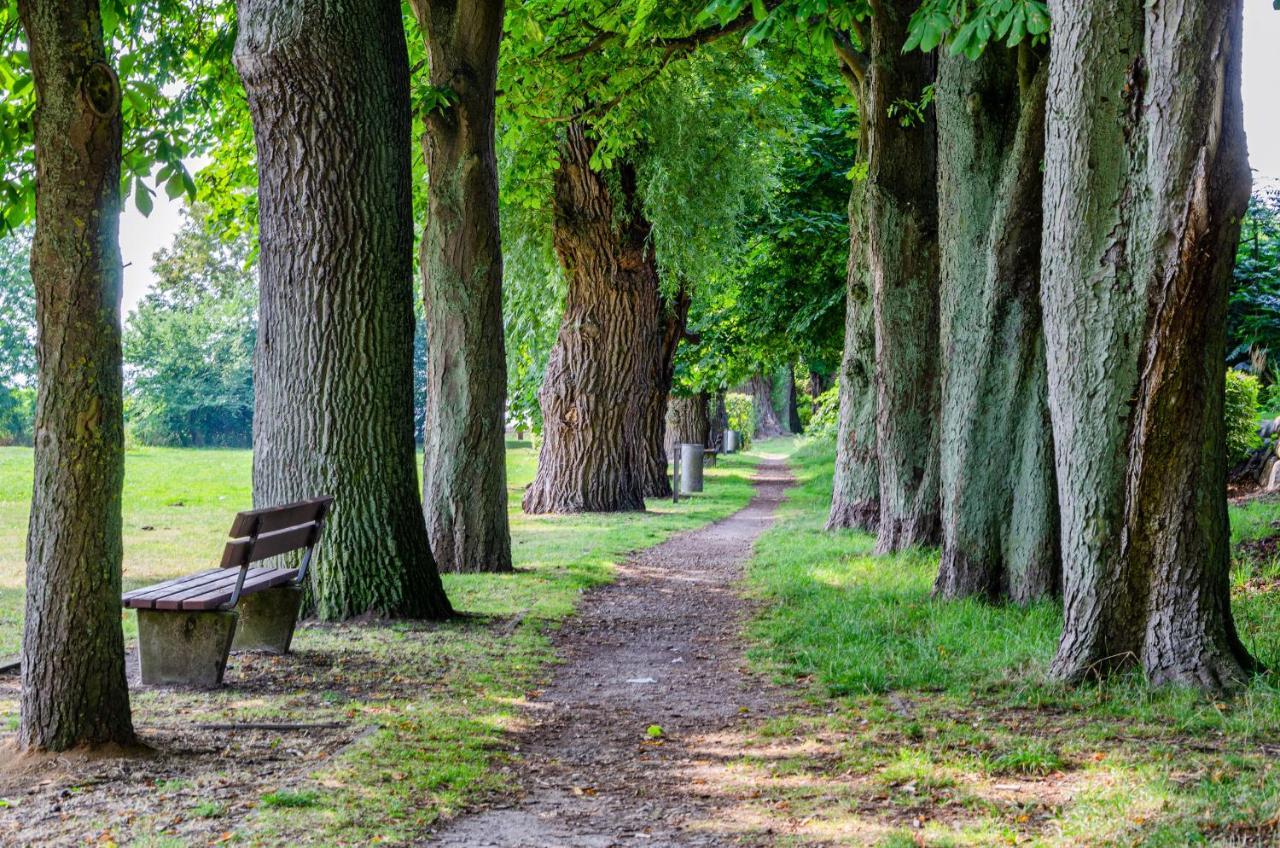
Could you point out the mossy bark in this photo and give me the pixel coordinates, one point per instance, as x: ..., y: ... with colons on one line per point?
x: 73, y: 678
x: 464, y: 467
x: 328, y: 92
x: 999, y: 501
x: 1146, y: 179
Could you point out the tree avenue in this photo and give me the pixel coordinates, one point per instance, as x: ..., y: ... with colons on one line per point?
x: 73, y: 676
x: 334, y: 367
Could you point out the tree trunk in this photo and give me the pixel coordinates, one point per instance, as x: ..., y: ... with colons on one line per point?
x: 817, y: 385
x: 1146, y: 179
x: 328, y: 91
x: 855, y: 489
x: 767, y: 424
x: 593, y: 415
x: 902, y: 234
x: 73, y: 678
x: 718, y: 423
x: 464, y: 468
x: 999, y: 502
x: 793, y: 411
x: 669, y: 326
x: 687, y: 422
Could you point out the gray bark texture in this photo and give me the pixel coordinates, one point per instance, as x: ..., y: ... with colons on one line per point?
x: 73, y: 678
x: 1146, y: 179
x: 668, y: 328
x: 855, y: 490
x: 767, y: 424
x: 593, y: 411
x: 901, y: 204
x: 719, y: 421
x: 999, y: 501
x: 686, y: 421
x: 328, y: 91
x: 464, y: 467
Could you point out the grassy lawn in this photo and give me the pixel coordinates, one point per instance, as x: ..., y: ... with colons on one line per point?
x: 428, y: 704
x: 932, y: 724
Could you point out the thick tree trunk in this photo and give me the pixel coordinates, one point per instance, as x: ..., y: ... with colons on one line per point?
x: 767, y: 423
x: 73, y: 679
x: 719, y: 421
x: 902, y: 237
x: 817, y: 385
x: 464, y: 468
x: 687, y: 421
x: 669, y: 327
x: 999, y: 501
x: 328, y: 91
x: 1146, y: 179
x: 593, y: 415
x: 793, y: 411
x: 855, y: 490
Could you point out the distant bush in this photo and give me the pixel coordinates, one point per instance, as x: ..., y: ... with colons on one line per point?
x: 742, y: 414
x: 1241, y: 414
x: 17, y: 415
x: 825, y: 421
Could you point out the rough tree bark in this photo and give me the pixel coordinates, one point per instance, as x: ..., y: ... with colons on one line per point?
x: 669, y: 329
x: 1146, y: 179
x: 593, y: 418
x: 999, y: 501
x: 687, y: 422
x: 767, y: 423
x: 901, y: 206
x: 719, y: 421
x: 328, y: 91
x: 464, y: 466
x: 855, y: 490
x: 73, y: 679
x: 793, y: 411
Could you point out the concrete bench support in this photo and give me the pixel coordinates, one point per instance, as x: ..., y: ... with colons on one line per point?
x: 267, y: 619
x: 184, y: 648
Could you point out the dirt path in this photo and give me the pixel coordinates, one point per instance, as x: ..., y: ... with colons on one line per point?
x: 660, y: 646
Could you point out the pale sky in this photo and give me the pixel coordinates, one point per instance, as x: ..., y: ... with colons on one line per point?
x: 141, y: 237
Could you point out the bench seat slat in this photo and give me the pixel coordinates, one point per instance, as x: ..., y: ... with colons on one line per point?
x: 145, y: 597
x: 265, y: 578
x: 224, y: 581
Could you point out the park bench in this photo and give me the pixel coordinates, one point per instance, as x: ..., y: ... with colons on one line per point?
x: 188, y: 626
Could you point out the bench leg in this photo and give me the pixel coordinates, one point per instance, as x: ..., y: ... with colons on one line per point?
x: 184, y: 648
x: 267, y: 619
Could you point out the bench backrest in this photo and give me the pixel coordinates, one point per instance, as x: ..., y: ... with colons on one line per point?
x: 259, y: 534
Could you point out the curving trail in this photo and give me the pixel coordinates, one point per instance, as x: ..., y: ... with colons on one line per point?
x: 659, y: 646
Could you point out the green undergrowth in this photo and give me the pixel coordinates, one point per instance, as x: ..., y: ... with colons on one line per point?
x: 932, y: 723
x: 429, y: 705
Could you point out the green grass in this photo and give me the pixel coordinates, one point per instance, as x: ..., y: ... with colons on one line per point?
x: 436, y: 702
x: 946, y: 708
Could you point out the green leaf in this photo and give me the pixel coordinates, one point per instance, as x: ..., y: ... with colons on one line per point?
x: 142, y: 198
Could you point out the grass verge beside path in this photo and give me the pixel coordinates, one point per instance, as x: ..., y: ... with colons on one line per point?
x: 931, y: 723
x: 435, y: 700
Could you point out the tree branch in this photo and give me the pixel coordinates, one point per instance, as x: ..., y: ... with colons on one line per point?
x: 851, y: 58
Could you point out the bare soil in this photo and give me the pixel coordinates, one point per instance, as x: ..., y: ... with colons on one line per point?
x: 634, y: 741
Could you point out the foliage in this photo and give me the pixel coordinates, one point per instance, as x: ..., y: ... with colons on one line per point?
x: 17, y: 311
x: 1253, y: 313
x: 17, y: 415
x: 1241, y: 413
x: 189, y: 346
x: 741, y: 412
x: 825, y: 421
x: 969, y: 26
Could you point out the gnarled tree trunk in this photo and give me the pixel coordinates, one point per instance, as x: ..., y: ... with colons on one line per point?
x: 464, y: 467
x: 999, y: 501
x: 901, y: 204
x: 767, y: 423
x: 687, y: 421
x: 328, y: 91
x: 855, y: 490
x: 719, y: 421
x: 669, y: 327
x: 1146, y: 179
x: 73, y: 680
x: 593, y: 415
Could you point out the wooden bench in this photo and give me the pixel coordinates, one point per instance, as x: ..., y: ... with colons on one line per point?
x: 188, y: 626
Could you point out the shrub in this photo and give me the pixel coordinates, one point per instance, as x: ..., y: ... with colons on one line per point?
x: 825, y: 422
x: 742, y: 415
x: 1241, y: 413
x: 17, y: 415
